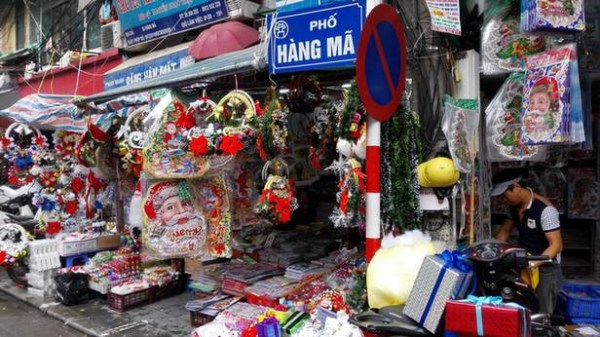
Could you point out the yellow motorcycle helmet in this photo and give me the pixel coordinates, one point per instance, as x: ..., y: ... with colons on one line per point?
x: 437, y: 172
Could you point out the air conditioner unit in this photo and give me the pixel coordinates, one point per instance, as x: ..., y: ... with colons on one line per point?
x: 111, y: 36
x: 242, y: 9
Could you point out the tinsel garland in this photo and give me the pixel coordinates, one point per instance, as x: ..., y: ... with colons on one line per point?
x: 351, y: 105
x: 400, y: 153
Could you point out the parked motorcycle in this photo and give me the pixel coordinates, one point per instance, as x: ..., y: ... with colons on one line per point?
x: 498, y: 268
x: 17, y: 228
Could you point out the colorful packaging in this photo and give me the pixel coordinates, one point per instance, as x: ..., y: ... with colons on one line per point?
x: 547, y: 98
x: 552, y: 15
x: 441, y: 277
x: 487, y: 316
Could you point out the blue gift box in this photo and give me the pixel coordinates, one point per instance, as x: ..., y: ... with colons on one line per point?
x: 441, y: 277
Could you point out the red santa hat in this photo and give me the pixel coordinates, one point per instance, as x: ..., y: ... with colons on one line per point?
x: 157, y: 194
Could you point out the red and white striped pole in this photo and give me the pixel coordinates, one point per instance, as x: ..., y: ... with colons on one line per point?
x: 373, y: 206
x: 373, y: 210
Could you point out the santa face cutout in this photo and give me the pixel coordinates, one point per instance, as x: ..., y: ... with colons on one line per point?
x: 173, y: 227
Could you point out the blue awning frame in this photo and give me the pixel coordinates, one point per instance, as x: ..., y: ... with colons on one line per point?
x: 245, y: 62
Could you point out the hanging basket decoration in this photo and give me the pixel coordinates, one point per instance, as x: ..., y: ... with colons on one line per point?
x: 167, y: 154
x: 24, y: 147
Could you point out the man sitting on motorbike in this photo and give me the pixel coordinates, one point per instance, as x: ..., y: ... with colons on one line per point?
x: 538, y: 224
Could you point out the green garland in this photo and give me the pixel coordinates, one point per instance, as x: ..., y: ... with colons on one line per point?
x: 400, y: 152
x: 351, y: 105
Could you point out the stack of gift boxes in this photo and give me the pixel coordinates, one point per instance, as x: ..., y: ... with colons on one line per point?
x: 43, y: 264
x: 440, y: 290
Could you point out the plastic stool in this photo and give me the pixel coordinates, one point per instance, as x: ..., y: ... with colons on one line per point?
x: 70, y: 259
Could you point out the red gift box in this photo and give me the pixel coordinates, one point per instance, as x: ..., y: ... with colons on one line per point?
x: 498, y: 320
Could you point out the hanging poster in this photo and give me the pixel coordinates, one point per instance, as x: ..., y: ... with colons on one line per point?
x: 445, y: 16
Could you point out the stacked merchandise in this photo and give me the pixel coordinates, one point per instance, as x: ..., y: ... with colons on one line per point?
x: 208, y: 279
x: 107, y: 269
x: 43, y: 263
x: 267, y: 291
x: 205, y: 309
x: 240, y: 276
x: 301, y: 270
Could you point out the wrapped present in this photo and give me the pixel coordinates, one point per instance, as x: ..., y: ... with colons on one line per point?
x: 269, y: 327
x: 441, y: 277
x: 487, y: 316
x: 295, y: 323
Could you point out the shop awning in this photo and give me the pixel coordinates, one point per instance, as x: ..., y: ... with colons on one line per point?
x: 243, y: 62
x: 45, y: 111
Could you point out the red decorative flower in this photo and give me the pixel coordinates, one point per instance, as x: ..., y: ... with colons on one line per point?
x: 71, y: 207
x: 53, y: 227
x: 40, y: 140
x: 199, y: 145
x: 13, y: 180
x: 76, y: 185
x: 5, y: 142
x: 186, y: 120
x: 259, y: 110
x: 220, y: 248
x: 231, y: 145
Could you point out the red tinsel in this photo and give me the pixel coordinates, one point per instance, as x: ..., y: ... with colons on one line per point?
x: 231, y: 145
x: 259, y: 147
x: 199, y: 145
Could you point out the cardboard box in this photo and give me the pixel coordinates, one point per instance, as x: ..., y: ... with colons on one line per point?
x: 108, y: 242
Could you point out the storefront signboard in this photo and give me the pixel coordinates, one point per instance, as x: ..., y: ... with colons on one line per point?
x: 146, y: 20
x: 320, y: 38
x: 147, y: 69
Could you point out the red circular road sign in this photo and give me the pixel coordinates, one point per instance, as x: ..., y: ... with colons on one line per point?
x: 381, y: 62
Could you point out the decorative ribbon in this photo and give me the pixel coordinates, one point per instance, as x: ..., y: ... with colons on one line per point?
x: 491, y: 300
x: 452, y: 260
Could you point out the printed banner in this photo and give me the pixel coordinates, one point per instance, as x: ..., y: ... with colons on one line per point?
x: 445, y: 16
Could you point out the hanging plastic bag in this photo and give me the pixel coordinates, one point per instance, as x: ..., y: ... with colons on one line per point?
x: 552, y: 15
x: 460, y: 125
x: 504, y: 47
x: 576, y: 132
x: 547, y: 98
x: 503, y: 125
x: 167, y: 155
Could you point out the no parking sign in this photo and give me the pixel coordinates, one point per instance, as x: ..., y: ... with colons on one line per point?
x: 381, y: 62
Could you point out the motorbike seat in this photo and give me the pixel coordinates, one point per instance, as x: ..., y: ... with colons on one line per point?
x: 20, y: 218
x: 389, y: 321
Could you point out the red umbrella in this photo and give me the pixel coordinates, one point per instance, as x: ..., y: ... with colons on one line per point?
x: 223, y: 38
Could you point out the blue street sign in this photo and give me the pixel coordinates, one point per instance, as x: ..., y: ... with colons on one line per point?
x: 143, y: 21
x: 320, y: 38
x: 147, y: 69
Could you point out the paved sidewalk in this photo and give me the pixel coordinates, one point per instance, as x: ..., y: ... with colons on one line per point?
x: 165, y: 318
